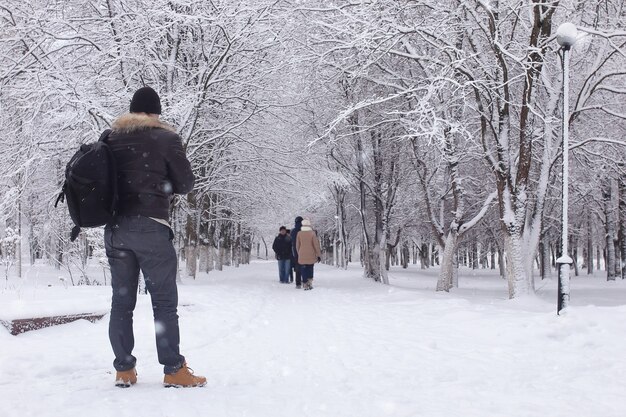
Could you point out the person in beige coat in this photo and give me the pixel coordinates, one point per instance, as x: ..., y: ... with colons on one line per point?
x: 309, y: 252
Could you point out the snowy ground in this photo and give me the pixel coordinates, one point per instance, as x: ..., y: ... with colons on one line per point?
x: 348, y: 348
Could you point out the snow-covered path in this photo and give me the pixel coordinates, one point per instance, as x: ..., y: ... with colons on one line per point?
x: 348, y: 348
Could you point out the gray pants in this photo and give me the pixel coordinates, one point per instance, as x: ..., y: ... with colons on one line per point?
x: 134, y: 243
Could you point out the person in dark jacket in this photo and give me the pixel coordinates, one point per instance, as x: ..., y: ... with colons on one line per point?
x: 294, y: 252
x: 151, y: 167
x: 282, y: 249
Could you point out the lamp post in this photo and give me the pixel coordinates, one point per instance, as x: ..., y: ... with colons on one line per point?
x: 336, y: 239
x: 566, y: 37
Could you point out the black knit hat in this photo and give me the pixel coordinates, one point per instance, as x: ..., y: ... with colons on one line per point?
x: 298, y: 219
x: 145, y: 100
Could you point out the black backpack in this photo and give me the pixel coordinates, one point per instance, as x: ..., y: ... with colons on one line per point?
x: 90, y: 186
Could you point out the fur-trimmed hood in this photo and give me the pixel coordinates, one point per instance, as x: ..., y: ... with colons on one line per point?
x: 133, y: 122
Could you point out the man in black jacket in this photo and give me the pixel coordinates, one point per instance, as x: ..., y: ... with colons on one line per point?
x: 294, y: 252
x: 151, y: 167
x: 282, y: 249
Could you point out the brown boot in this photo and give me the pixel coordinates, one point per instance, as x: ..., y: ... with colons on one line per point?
x: 125, y: 379
x: 183, y: 378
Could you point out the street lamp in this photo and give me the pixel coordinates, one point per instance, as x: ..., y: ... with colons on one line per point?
x: 336, y: 238
x: 566, y: 37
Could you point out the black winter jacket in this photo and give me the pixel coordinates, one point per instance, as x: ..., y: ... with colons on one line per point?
x: 282, y: 247
x: 151, y: 165
x: 294, y: 237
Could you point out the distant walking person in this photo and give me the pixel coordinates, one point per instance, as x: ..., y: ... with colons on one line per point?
x: 282, y: 249
x: 294, y: 252
x: 151, y: 167
x: 309, y: 252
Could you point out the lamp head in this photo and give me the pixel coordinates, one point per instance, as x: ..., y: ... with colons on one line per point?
x: 566, y: 35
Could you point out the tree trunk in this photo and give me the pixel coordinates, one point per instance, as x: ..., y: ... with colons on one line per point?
x: 246, y: 248
x: 546, y: 264
x: 219, y: 262
x: 266, y: 250
x: 191, y: 242
x: 210, y: 258
x: 203, y: 258
x: 501, y: 263
x: 448, y: 262
x: 617, y: 264
x: 520, y: 284
x: 574, y: 247
x: 382, y: 247
x: 237, y: 250
x: 406, y: 255
x: 18, y: 246
x: 192, y: 264
x: 228, y: 256
x: 32, y: 245
x: 59, y: 253
x: 610, y: 231
x: 388, y: 258
x: 455, y: 270
x: 474, y: 254
x: 433, y: 249
x: 484, y: 260
x: 589, y: 246
x: 424, y: 256
x: 372, y: 262
x: 227, y: 252
x: 84, y: 249
x: 622, y: 222
x: 346, y: 255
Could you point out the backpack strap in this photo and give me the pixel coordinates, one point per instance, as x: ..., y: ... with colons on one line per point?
x: 103, y: 138
x: 74, y: 234
x: 105, y: 135
x: 61, y: 197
